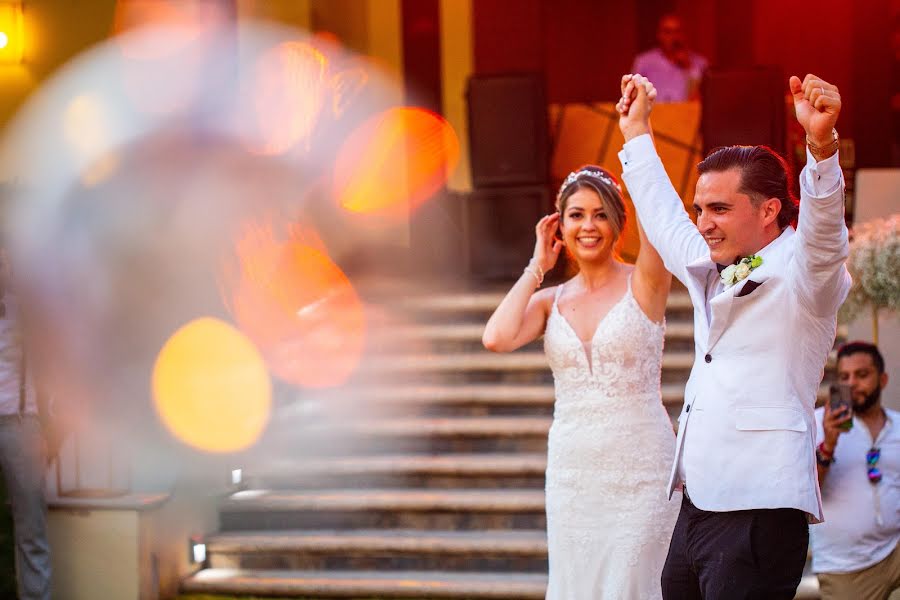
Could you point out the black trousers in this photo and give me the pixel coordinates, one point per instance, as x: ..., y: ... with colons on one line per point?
x: 739, y: 555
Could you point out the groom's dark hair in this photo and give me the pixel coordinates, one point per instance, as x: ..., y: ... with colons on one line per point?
x: 764, y: 174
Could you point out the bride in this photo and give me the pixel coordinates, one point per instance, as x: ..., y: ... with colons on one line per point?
x: 611, y: 443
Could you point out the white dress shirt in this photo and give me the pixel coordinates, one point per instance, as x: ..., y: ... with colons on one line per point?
x: 862, y: 519
x: 11, y: 362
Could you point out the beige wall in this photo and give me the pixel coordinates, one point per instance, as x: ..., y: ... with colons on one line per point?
x: 127, y: 548
x: 95, y: 554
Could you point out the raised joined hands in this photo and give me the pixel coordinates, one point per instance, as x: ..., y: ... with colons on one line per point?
x: 635, y: 105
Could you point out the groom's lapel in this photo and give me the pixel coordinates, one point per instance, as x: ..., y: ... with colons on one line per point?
x: 700, y: 274
x: 720, y: 306
x: 719, y: 312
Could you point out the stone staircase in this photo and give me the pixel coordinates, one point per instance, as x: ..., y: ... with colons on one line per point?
x: 421, y: 478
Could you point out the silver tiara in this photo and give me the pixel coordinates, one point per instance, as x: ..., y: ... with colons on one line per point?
x: 575, y: 175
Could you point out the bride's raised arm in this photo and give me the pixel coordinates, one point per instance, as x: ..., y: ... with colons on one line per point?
x: 651, y: 281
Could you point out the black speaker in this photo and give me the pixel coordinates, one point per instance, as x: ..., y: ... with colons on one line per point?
x: 743, y: 106
x: 501, y: 229
x: 508, y: 131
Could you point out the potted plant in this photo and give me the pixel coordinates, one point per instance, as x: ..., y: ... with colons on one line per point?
x: 874, y: 264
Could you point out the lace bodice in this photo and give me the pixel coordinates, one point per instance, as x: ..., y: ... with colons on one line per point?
x: 625, y: 355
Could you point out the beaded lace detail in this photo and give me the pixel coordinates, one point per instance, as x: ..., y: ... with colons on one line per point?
x: 610, y: 449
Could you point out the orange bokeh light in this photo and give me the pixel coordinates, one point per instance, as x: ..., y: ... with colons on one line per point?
x: 395, y: 161
x: 211, y: 387
x: 298, y: 307
x: 288, y: 96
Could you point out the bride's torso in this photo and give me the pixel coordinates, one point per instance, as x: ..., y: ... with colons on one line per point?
x: 608, y: 390
x: 621, y: 361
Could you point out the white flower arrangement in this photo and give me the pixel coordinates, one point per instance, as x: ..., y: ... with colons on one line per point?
x: 874, y: 264
x: 732, y: 274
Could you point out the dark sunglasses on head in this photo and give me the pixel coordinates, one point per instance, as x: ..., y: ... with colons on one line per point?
x: 872, y: 457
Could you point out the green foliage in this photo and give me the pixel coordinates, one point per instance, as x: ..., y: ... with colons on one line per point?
x: 874, y: 264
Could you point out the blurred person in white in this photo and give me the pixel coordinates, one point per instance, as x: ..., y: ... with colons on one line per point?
x: 674, y: 69
x: 23, y: 450
x: 855, y: 551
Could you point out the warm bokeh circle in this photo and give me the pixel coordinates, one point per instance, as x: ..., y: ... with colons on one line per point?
x: 211, y: 387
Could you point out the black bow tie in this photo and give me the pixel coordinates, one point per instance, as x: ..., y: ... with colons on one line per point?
x: 721, y: 268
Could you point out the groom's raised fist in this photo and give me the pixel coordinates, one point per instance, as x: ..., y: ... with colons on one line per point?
x: 818, y: 104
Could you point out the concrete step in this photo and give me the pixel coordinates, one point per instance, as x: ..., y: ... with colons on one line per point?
x: 447, y: 400
x: 471, y: 332
x: 380, y: 584
x: 489, y: 361
x: 380, y: 549
x: 425, y: 435
x: 524, y: 366
x: 452, y: 509
x: 486, y: 396
x: 482, y: 470
x: 476, y: 399
x: 481, y: 302
x: 466, y: 337
x: 368, y: 584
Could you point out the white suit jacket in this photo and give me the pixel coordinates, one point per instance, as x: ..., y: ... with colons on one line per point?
x: 746, y: 436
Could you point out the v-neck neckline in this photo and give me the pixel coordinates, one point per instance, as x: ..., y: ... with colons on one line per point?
x: 587, y: 346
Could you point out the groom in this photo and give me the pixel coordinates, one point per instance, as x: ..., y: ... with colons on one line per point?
x: 766, y: 293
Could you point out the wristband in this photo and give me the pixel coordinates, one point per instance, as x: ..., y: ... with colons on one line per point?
x: 820, y: 153
x: 823, y: 457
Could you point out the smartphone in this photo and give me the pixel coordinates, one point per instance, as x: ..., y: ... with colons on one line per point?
x: 841, y: 398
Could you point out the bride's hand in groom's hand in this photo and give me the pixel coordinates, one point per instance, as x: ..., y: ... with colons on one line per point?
x: 547, y: 247
x: 635, y: 105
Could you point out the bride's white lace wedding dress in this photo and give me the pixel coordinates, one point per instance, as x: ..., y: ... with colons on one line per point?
x: 610, y: 449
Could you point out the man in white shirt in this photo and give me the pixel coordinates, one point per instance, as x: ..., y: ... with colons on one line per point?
x: 766, y: 279
x: 674, y: 70
x: 855, y: 551
x: 22, y: 450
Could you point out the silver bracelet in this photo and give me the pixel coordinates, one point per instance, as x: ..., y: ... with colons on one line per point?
x: 539, y: 275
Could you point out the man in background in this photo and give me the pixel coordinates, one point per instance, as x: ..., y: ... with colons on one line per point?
x: 674, y: 70
x: 855, y: 551
x: 22, y: 449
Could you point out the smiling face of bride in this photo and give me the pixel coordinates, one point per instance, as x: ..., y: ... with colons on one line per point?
x: 589, y: 231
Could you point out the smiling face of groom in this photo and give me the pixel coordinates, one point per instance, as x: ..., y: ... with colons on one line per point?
x: 728, y: 220
x: 742, y: 201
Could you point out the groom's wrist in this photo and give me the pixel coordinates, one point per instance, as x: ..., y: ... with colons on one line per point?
x: 633, y: 131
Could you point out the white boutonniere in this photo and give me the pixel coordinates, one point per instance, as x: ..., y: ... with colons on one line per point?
x: 731, y: 274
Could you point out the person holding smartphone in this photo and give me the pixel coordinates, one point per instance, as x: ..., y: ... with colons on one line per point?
x: 855, y: 551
